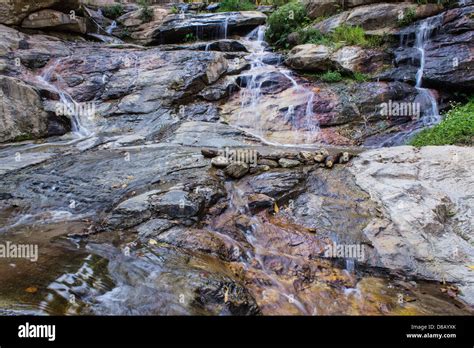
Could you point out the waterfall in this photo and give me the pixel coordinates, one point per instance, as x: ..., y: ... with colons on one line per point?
x: 423, y: 33
x: 69, y: 105
x: 251, y: 96
x: 111, y: 28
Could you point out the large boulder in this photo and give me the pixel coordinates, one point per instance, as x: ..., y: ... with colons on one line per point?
x: 425, y: 227
x: 23, y: 116
x: 13, y: 12
x: 377, y: 18
x: 54, y: 20
x: 310, y: 57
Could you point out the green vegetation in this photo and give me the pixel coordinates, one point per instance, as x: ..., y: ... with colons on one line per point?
x: 113, y: 11
x: 312, y: 36
x: 146, y: 14
x: 236, y: 5
x: 360, y: 77
x: 331, y: 76
x: 285, y: 20
x: 174, y: 10
x: 350, y: 35
x: 409, y: 16
x: 456, y: 128
x: 190, y: 37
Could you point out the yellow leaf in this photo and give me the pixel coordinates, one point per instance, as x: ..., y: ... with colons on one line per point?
x: 275, y: 208
x: 226, y: 295
x: 152, y: 242
x: 470, y: 266
x: 31, y: 290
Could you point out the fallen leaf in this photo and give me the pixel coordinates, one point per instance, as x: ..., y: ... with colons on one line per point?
x: 152, y: 242
x: 470, y: 267
x: 275, y: 208
x: 226, y: 295
x: 31, y: 290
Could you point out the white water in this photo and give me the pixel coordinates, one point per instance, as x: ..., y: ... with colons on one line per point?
x: 111, y: 28
x: 423, y: 33
x: 77, y: 122
x: 429, y: 106
x: 251, y: 95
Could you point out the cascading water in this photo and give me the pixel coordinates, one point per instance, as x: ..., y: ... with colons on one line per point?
x: 430, y: 116
x: 111, y: 27
x: 429, y: 113
x: 71, y: 107
x: 251, y: 95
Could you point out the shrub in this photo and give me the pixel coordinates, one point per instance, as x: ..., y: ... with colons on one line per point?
x: 236, y: 5
x: 285, y: 20
x: 456, y: 128
x: 350, y: 35
x: 408, y: 17
x: 331, y: 76
x: 312, y: 36
x: 113, y: 11
x: 146, y: 14
x: 360, y: 77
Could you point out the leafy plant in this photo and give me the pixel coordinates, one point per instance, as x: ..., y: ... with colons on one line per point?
x: 408, y: 17
x: 236, y: 5
x: 350, y: 35
x: 331, y: 76
x: 360, y: 77
x: 174, y: 10
x: 312, y: 36
x: 113, y: 11
x: 146, y: 14
x: 189, y: 37
x: 456, y: 128
x: 285, y: 20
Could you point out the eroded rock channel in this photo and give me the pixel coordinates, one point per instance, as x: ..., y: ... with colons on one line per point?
x: 214, y: 177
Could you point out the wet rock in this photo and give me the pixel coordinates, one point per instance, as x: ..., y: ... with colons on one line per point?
x: 448, y: 52
x: 276, y: 184
x: 54, y: 20
x: 205, y: 26
x: 209, y: 153
x: 220, y: 162
x: 132, y: 211
x: 258, y: 201
x: 288, y: 163
x: 176, y: 204
x: 267, y: 162
x: 416, y: 190
x: 23, y: 115
x: 236, y: 170
x: 153, y: 228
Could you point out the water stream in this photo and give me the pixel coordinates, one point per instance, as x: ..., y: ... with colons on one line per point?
x: 252, y: 115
